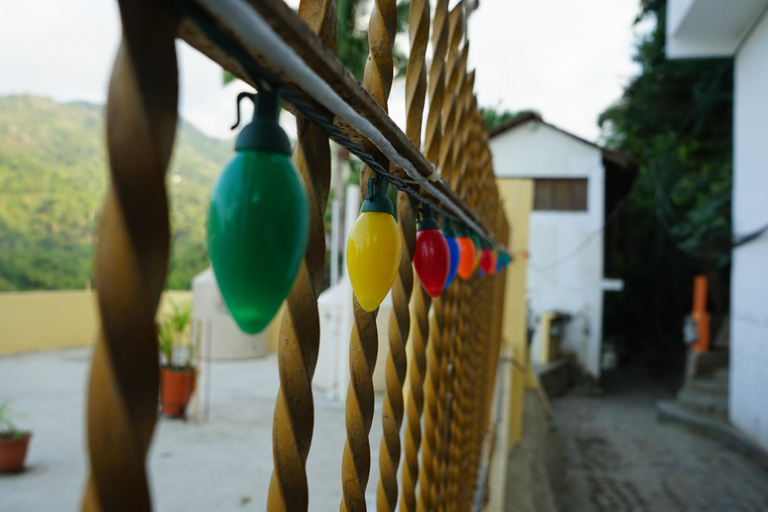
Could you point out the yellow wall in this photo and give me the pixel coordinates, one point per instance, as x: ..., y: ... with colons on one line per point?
x: 517, y: 197
x: 518, y: 200
x: 51, y: 320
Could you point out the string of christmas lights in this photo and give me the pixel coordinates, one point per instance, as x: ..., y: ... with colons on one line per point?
x: 258, y: 218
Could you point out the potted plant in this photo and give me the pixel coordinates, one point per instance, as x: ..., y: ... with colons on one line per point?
x: 13, y: 443
x: 177, y: 369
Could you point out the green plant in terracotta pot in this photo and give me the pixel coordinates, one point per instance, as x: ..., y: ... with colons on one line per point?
x: 177, y: 356
x: 13, y: 443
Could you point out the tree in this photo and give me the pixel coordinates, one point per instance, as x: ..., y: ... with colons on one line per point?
x: 676, y: 117
x: 494, y: 116
x: 352, y: 44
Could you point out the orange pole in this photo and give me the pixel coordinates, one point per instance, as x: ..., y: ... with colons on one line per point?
x: 700, y: 314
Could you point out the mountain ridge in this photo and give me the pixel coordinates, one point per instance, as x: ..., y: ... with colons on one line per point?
x: 53, y: 180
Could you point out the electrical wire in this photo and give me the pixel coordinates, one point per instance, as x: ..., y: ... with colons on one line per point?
x: 251, y: 27
x: 583, y: 244
x: 745, y: 239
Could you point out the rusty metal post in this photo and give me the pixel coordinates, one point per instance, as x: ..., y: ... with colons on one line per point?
x: 427, y: 343
x: 356, y: 460
x: 440, y: 454
x: 416, y: 89
x: 464, y: 338
x: 299, y: 339
x: 132, y: 259
x: 399, y: 327
x: 467, y: 322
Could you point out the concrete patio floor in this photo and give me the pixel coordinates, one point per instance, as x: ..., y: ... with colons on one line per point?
x: 223, y: 464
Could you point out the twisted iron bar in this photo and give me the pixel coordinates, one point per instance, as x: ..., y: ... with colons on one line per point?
x: 468, y: 334
x: 431, y: 334
x: 299, y: 339
x: 356, y: 460
x: 396, y: 366
x: 447, y: 334
x: 455, y: 67
x: 132, y: 259
x: 399, y: 325
x: 463, y: 163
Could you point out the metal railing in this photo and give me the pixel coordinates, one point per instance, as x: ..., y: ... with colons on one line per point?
x: 457, y: 336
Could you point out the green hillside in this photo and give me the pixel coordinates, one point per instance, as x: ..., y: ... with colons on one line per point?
x: 53, y: 178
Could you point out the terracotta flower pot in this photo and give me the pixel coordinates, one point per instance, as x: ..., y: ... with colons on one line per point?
x: 176, y: 387
x: 13, y: 452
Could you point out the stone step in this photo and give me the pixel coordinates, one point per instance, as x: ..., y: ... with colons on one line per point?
x: 709, y: 386
x: 555, y: 377
x: 703, y: 403
x: 708, y: 363
x: 721, y: 375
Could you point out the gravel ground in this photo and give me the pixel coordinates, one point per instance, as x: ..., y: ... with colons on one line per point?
x: 224, y: 464
x: 613, y: 455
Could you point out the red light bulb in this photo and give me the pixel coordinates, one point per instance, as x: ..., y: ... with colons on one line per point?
x: 486, y: 261
x: 432, y: 256
x: 494, y: 261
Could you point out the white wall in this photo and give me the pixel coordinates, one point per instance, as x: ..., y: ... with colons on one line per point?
x: 708, y: 28
x: 749, y: 286
x: 539, y: 151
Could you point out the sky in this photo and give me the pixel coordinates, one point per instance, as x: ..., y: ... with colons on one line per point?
x: 567, y: 59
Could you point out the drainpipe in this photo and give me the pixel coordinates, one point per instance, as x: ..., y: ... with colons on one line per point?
x: 700, y: 314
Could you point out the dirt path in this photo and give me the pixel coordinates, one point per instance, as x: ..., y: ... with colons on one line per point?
x: 614, y: 456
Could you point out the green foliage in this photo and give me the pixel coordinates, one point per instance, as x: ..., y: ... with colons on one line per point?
x: 352, y: 43
x: 172, y: 331
x: 7, y: 429
x: 53, y: 180
x: 227, y: 77
x: 352, y: 46
x: 495, y: 116
x: 676, y: 117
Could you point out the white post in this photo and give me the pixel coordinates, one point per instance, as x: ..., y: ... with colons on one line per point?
x: 341, y: 346
x: 352, y: 211
x: 335, y: 226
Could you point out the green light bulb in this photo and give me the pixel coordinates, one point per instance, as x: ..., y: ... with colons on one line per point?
x: 258, y: 220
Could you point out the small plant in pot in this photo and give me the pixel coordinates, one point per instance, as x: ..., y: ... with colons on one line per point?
x: 177, y: 352
x: 13, y: 443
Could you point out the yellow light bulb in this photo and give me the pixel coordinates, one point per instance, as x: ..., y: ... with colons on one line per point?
x: 373, y: 256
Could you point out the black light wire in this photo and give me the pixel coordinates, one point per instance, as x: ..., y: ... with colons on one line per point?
x: 263, y: 78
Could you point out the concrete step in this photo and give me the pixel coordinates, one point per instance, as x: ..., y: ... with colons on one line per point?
x: 708, y: 363
x: 721, y: 375
x: 555, y: 377
x: 720, y: 429
x: 709, y: 386
x: 703, y: 403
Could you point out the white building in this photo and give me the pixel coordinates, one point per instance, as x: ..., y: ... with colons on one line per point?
x: 712, y: 28
x: 576, y: 184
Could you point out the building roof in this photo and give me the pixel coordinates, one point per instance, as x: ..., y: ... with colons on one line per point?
x: 618, y: 158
